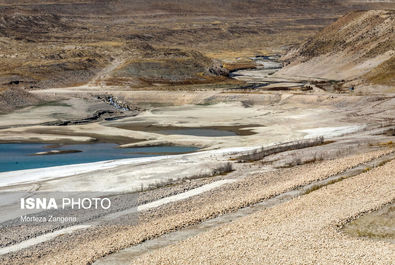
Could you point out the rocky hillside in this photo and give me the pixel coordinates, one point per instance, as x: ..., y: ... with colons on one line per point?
x: 166, y: 66
x: 11, y: 99
x: 46, y: 43
x: 182, y: 7
x: 20, y: 25
x: 358, y: 46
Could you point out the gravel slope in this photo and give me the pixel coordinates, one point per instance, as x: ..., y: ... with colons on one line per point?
x: 92, y: 244
x: 302, y: 231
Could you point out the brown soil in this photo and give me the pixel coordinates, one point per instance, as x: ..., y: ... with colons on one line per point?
x: 66, y: 43
x: 358, y: 45
x: 378, y: 225
x: 14, y: 98
x: 383, y: 74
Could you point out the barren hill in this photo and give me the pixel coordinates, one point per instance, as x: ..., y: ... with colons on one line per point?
x: 152, y: 8
x: 69, y: 42
x: 358, y: 45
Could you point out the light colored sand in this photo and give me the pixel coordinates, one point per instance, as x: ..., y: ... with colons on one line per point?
x: 302, y: 231
x: 179, y: 214
x: 185, y: 195
x: 125, y: 175
x: 134, y: 170
x: 273, y: 117
x: 41, y: 239
x: 270, y: 123
x: 332, y: 131
x: 74, y: 108
x: 144, y: 207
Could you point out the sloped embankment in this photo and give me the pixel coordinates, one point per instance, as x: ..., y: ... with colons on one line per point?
x: 24, y: 25
x: 168, y: 66
x: 358, y: 45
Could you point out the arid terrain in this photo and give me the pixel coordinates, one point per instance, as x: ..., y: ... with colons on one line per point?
x: 225, y: 132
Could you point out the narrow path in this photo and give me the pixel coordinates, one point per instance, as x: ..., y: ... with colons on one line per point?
x: 98, y: 80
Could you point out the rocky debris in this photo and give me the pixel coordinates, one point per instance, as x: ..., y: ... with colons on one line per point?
x: 26, y: 26
x: 330, y: 86
x: 13, y: 98
x: 98, y: 115
x: 219, y: 69
x: 259, y: 154
x: 120, y: 107
x: 280, y: 234
x: 117, y: 103
x: 390, y: 132
x: 248, y: 191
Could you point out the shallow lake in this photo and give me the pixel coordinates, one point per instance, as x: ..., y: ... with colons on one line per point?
x: 18, y: 156
x: 199, y: 132
x: 215, y: 131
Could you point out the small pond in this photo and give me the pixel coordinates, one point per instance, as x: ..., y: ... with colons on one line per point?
x: 199, y: 132
x: 215, y: 131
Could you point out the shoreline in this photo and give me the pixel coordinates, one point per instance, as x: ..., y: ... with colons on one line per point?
x: 28, y: 176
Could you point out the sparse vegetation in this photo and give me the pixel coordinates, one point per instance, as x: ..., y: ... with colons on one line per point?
x: 384, y: 74
x: 258, y: 154
x: 377, y: 225
x: 349, y: 45
x: 217, y: 171
x: 124, y: 72
x: 56, y: 45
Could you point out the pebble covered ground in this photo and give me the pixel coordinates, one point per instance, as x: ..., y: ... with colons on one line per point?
x: 301, y: 231
x: 87, y: 246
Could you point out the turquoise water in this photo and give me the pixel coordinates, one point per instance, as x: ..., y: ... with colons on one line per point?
x: 21, y: 155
